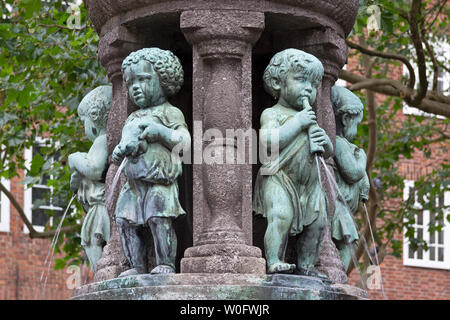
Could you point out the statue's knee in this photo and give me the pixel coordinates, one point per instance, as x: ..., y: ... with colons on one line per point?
x: 283, y: 215
x: 160, y: 221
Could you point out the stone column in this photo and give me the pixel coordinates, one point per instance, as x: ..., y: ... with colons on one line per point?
x: 114, y: 46
x: 332, y: 51
x: 222, y: 193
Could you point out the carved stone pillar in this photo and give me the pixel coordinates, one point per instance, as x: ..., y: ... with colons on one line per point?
x: 113, y: 48
x: 222, y: 193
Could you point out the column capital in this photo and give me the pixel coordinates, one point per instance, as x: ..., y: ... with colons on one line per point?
x: 221, y: 33
x: 114, y: 46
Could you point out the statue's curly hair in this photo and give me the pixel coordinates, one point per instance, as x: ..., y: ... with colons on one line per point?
x: 293, y: 59
x: 165, y: 63
x: 96, y: 105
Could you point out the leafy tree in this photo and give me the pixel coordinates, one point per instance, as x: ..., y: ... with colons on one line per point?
x: 47, y: 67
x: 410, y: 34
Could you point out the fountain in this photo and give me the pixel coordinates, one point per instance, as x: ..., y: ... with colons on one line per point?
x: 223, y: 47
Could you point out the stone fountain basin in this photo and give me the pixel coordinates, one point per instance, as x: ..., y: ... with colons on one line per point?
x: 217, y: 286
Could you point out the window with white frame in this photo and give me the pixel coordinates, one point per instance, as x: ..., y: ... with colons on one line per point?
x: 438, y: 242
x: 4, y: 208
x: 441, y: 49
x: 4, y: 202
x: 39, y: 200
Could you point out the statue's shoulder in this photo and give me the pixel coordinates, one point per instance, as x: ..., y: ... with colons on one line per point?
x: 343, y: 144
x: 275, y: 115
x: 169, y: 112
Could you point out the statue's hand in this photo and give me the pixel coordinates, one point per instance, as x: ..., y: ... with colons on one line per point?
x: 134, y: 148
x: 118, y: 154
x: 151, y: 132
x: 318, y: 136
x: 306, y: 118
x: 75, y: 180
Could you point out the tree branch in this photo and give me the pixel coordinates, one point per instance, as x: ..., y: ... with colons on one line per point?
x: 432, y: 103
x: 61, y: 27
x: 365, y: 50
x: 370, y: 83
x: 433, y: 59
x: 417, y: 41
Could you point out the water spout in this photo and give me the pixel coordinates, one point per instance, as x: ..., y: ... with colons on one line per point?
x: 115, y: 180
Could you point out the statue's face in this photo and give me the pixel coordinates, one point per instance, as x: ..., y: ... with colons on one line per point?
x: 89, y: 128
x: 350, y: 125
x: 143, y: 85
x: 296, y: 86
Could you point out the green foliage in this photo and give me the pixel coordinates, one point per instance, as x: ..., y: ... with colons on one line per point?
x: 404, y: 138
x: 47, y: 68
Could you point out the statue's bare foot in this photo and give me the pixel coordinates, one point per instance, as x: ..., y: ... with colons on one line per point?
x: 161, y: 269
x: 130, y: 272
x: 281, y: 267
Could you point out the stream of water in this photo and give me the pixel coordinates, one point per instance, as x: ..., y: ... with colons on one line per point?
x: 51, y: 250
x: 115, y: 180
x: 335, y: 190
x: 376, y: 251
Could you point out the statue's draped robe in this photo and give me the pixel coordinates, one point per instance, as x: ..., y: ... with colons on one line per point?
x: 151, y: 189
x: 295, y: 171
x: 343, y: 223
x: 91, y: 195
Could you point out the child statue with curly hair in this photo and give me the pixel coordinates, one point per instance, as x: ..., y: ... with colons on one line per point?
x: 290, y: 196
x: 89, y: 169
x: 150, y: 138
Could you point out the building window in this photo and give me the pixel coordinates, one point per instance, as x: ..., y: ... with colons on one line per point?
x: 39, y: 200
x: 438, y: 242
x: 4, y: 208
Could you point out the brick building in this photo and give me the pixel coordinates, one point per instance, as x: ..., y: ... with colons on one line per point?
x: 418, y: 275
x: 423, y: 274
x: 22, y: 259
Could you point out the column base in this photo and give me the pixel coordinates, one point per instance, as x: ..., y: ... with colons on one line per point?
x: 223, y: 258
x: 217, y: 287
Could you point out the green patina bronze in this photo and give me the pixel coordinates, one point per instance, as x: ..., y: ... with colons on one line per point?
x: 350, y: 170
x: 89, y: 169
x: 152, y: 140
x: 291, y: 197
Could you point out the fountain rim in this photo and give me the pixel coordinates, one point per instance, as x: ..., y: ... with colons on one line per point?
x: 105, y: 14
